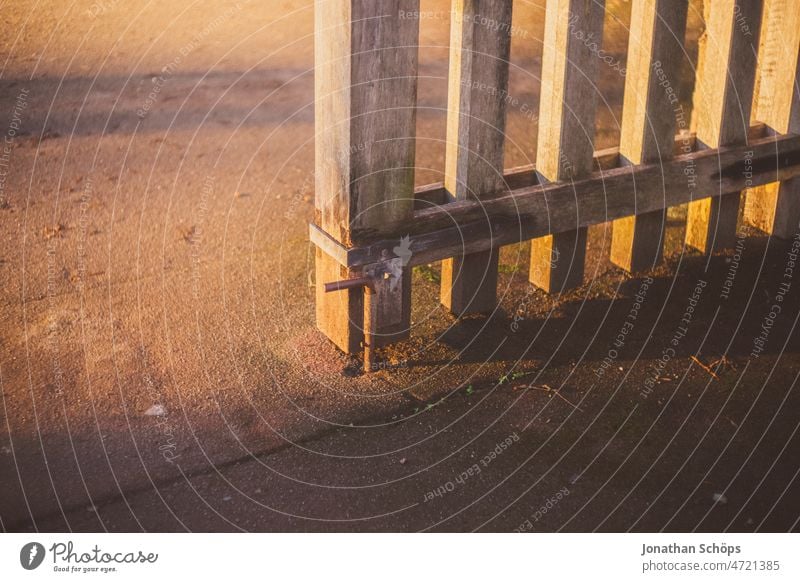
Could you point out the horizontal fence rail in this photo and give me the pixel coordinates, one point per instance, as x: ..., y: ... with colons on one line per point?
x: 538, y: 210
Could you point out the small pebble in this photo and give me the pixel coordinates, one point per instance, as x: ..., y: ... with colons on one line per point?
x: 155, y: 410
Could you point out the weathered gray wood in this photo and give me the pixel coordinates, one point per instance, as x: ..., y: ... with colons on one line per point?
x: 566, y: 128
x: 723, y: 99
x: 438, y: 232
x: 383, y: 306
x: 775, y: 208
x: 366, y: 88
x: 649, y: 117
x: 477, y: 94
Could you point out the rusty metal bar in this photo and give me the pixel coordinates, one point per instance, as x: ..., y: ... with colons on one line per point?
x: 348, y: 284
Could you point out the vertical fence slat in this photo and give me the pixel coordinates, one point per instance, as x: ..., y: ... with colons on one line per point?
x: 723, y: 100
x: 480, y: 40
x: 366, y: 90
x: 566, y: 128
x: 649, y: 118
x: 775, y: 208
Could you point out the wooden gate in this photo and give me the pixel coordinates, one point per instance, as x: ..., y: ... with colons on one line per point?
x: 372, y: 226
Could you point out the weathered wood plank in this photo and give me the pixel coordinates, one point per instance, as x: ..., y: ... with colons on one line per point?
x: 723, y: 100
x: 524, y: 176
x: 649, y: 117
x: 478, y: 89
x: 540, y: 210
x: 566, y: 129
x: 366, y: 88
x: 383, y: 306
x: 702, y: 41
x: 775, y: 208
x: 339, y: 315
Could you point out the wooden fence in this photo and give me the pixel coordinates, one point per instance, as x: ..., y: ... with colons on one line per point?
x: 372, y: 226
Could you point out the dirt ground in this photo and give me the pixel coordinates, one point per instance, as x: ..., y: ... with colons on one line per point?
x: 159, y: 363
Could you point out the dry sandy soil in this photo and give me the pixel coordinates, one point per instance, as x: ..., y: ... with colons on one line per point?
x: 160, y: 368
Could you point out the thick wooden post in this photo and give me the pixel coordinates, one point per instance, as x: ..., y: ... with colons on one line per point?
x: 775, y: 208
x: 566, y: 128
x: 723, y: 99
x: 366, y: 90
x: 649, y: 118
x: 480, y: 43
